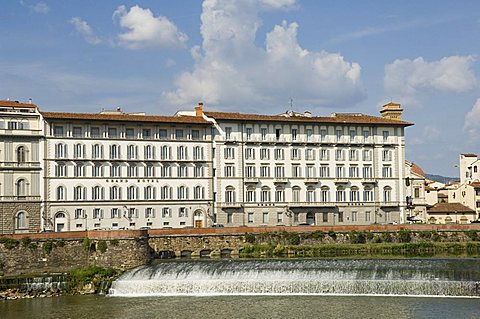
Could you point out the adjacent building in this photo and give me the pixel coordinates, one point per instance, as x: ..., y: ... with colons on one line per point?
x: 113, y: 170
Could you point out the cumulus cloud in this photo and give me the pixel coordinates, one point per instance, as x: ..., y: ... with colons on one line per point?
x: 40, y: 7
x: 146, y: 30
x: 230, y: 70
x: 85, y: 30
x: 406, y: 78
x: 472, y: 120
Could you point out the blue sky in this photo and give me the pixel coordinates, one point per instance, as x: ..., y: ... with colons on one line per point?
x: 254, y: 56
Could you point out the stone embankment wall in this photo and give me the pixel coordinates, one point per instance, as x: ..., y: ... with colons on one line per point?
x: 62, y: 252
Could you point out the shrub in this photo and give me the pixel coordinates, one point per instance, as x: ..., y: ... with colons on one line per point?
x: 102, y: 246
x: 9, y: 243
x: 472, y: 234
x: 32, y: 246
x: 87, y: 274
x: 370, y: 235
x: 386, y: 237
x: 86, y: 243
x: 26, y: 241
x: 47, y: 247
x: 436, y: 236
x: 332, y: 235
x: 404, y: 236
x: 60, y: 243
x: 114, y: 242
x: 293, y: 239
x: 357, y: 237
x: 317, y: 235
x: 250, y: 238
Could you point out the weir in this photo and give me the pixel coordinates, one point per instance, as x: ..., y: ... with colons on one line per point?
x: 420, y: 277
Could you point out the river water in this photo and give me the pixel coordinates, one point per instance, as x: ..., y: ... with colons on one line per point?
x: 410, y: 288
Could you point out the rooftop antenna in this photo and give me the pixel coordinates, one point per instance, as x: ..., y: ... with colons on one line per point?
x: 291, y: 104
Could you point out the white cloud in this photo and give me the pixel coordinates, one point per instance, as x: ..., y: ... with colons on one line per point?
x: 231, y: 71
x: 85, y: 30
x: 429, y: 134
x: 472, y: 120
x: 404, y: 79
x: 40, y: 7
x: 146, y: 30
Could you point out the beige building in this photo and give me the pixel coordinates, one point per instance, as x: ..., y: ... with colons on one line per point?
x: 450, y: 213
x: 416, y: 194
x: 20, y: 167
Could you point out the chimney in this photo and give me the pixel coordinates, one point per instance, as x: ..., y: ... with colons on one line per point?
x: 392, y: 111
x: 199, y: 109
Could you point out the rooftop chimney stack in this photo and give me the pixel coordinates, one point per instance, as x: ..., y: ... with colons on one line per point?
x: 199, y: 109
x: 392, y: 111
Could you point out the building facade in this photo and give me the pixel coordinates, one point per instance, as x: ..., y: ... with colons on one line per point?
x: 115, y: 170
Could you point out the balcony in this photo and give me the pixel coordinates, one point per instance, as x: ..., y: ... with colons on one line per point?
x: 252, y: 180
x: 388, y: 204
x: 231, y: 205
x: 280, y: 180
x: 311, y: 180
x: 341, y: 180
x: 367, y: 180
x: 312, y: 204
x: 21, y: 165
x: 20, y: 198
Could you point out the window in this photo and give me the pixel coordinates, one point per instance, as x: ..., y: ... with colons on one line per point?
x: 385, y: 136
x: 367, y: 155
x: 149, y: 193
x: 367, y: 172
x: 367, y: 216
x: 250, y: 171
x: 279, y: 194
x: 115, y: 193
x: 264, y: 171
x: 354, y: 217
x: 114, y: 213
x: 265, y: 218
x: 112, y: 132
x: 296, y: 154
x: 249, y: 153
x: 353, y: 171
x: 98, y: 193
x: 97, y: 170
x: 368, y: 195
x: 146, y: 134
x: 324, y: 171
x: 229, y: 153
x: 310, y: 171
x: 278, y: 133
x: 338, y: 134
x: 166, y: 192
x: 21, y: 154
x: 340, y: 171
x: 263, y: 132
x: 166, y: 171
x: 179, y: 134
x: 294, y: 134
x: 114, y: 151
x: 228, y: 133
x: 354, y: 155
x: 386, y: 171
x: 340, y: 217
x: 97, y: 151
x: 149, y: 170
x: 323, y: 135
x: 198, y: 153
x: 296, y: 172
x: 182, y: 192
x: 279, y: 171
x: 280, y: 217
x: 230, y: 194
x: 198, y: 171
x: 182, y: 171
x: 165, y: 152
x: 416, y: 192
x: 324, y: 154
x: 181, y: 153
x: 166, y: 212
x: 199, y: 192
x: 195, y: 135
x: 296, y: 193
x: 132, y: 193
x: 97, y: 213
x: 61, y: 193
x: 79, y: 170
x: 57, y: 130
x: 60, y: 150
x: 229, y: 171
x: 366, y: 134
x: 182, y: 212
x: 149, y: 212
x: 250, y: 195
x: 94, y: 132
x: 310, y: 154
x: 325, y: 217
x: 250, y: 218
x: 79, y: 193
x: 311, y: 196
x: 149, y: 152
x: 354, y: 194
x: 60, y: 170
x: 79, y: 150
x: 249, y: 133
x: 325, y: 194
x: 80, y: 213
x: 162, y: 134
x: 265, y: 194
x: 115, y: 170
x: 339, y: 155
x: 264, y: 154
x: 387, y: 155
x: 340, y: 195
x: 309, y: 134
x: 387, y: 194
x: 353, y: 133
x: 77, y: 131
x: 229, y: 217
x: 279, y: 154
x: 129, y: 133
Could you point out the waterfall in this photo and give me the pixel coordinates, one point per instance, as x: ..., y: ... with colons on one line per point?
x: 35, y: 283
x: 440, y: 277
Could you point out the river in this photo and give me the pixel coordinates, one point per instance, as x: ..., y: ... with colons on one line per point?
x: 408, y: 288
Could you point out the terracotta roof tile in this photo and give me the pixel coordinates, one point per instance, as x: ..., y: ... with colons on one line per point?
x: 450, y: 208
x: 470, y: 155
x: 122, y: 117
x: 8, y: 103
x: 475, y: 184
x: 417, y: 170
x: 346, y: 118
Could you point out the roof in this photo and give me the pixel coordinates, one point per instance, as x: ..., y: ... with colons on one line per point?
x: 469, y: 155
x: 124, y: 117
x: 345, y: 118
x: 450, y: 208
x: 8, y: 103
x: 475, y: 184
x: 417, y: 170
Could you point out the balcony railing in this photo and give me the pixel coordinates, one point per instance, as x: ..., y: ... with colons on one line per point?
x: 19, y: 198
x: 20, y: 164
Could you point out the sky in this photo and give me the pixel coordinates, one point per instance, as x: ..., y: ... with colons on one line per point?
x: 255, y: 56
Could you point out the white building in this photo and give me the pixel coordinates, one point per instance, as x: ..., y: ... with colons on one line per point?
x: 114, y: 170
x: 416, y: 193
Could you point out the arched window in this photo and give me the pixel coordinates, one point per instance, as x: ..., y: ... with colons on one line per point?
x: 60, y: 150
x: 279, y: 194
x: 230, y: 194
x: 199, y: 192
x: 61, y: 193
x: 251, y: 194
x: 368, y: 194
x: 311, y: 196
x: 115, y: 193
x: 98, y: 193
x: 149, y: 170
x: 198, y: 153
x: 296, y: 193
x: 165, y: 153
x: 21, y: 220
x: 166, y: 192
x: 182, y: 192
x: 21, y: 154
x: 21, y: 188
x: 132, y: 192
x: 132, y: 152
x: 79, y: 150
x: 149, y: 152
x: 325, y: 192
x: 354, y: 194
x: 340, y: 194
x: 79, y: 193
x: 149, y: 192
x: 265, y: 194
x: 114, y: 151
x: 387, y: 194
x: 97, y: 151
